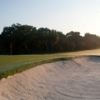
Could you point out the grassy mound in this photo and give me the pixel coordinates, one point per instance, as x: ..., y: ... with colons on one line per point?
x: 10, y: 65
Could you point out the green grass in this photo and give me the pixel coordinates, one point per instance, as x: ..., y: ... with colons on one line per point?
x: 10, y: 65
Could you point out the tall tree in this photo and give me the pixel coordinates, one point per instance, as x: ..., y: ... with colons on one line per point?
x: 74, y: 41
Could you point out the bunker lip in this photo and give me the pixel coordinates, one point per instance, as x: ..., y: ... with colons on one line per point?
x: 73, y: 79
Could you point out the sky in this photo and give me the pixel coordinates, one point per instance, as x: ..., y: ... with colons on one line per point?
x: 61, y: 15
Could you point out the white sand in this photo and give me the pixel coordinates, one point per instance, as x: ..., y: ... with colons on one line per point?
x: 77, y: 79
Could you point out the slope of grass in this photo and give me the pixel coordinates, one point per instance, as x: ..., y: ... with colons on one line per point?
x: 10, y: 65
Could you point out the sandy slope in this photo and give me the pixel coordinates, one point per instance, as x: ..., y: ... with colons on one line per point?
x: 77, y: 79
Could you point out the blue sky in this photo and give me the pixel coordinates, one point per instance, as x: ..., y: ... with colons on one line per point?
x: 62, y: 15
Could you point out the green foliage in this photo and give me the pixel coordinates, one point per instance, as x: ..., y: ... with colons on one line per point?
x: 25, y: 39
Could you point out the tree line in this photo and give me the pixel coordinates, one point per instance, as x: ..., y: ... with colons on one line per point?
x: 26, y: 39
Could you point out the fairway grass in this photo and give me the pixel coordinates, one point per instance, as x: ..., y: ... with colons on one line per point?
x: 11, y: 64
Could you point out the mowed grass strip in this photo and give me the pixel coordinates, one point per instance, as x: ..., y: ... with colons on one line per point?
x: 11, y: 64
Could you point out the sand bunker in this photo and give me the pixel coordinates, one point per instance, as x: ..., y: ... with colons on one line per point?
x: 77, y: 79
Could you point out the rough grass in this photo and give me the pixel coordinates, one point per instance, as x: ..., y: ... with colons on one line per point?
x: 10, y: 65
